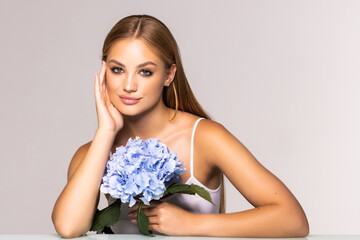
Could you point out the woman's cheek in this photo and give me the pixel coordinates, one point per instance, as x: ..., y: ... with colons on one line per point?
x: 113, y: 83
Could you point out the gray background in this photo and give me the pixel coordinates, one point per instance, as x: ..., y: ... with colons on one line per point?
x: 282, y: 76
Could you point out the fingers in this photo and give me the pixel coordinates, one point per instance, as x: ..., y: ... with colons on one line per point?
x: 153, y: 203
x: 102, y: 76
x: 154, y: 227
x: 100, y: 86
x: 99, y: 80
x: 150, y: 211
x: 98, y: 94
x: 152, y: 221
x: 146, y: 208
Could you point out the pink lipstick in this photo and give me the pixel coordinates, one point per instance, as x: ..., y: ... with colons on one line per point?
x: 129, y: 100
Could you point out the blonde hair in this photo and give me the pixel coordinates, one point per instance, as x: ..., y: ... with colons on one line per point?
x: 153, y: 32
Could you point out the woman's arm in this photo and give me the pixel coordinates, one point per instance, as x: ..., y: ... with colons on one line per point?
x: 277, y: 213
x: 74, y: 209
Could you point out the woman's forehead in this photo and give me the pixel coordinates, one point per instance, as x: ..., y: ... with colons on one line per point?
x: 133, y: 49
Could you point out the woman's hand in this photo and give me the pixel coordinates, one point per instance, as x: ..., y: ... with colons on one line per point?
x: 166, y: 218
x: 109, y: 118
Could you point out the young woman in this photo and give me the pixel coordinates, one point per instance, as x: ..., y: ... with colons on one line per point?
x: 142, y: 91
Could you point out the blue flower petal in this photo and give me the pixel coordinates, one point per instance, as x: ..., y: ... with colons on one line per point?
x: 141, y: 168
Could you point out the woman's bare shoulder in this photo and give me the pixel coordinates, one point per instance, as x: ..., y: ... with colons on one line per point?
x: 206, y: 128
x: 212, y: 139
x: 210, y: 128
x: 77, y: 158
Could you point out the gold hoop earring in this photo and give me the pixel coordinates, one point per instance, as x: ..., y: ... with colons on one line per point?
x: 176, y: 98
x: 176, y: 102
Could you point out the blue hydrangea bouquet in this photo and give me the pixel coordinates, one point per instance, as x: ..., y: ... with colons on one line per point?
x: 142, y: 171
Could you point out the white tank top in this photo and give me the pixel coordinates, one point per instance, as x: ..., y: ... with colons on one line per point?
x: 190, y: 203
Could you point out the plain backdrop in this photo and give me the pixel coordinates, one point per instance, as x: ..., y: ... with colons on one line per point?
x: 282, y: 76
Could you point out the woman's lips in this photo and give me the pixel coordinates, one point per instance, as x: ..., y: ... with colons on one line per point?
x: 129, y: 100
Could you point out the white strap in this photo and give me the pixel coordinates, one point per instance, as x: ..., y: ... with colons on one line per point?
x: 192, y: 148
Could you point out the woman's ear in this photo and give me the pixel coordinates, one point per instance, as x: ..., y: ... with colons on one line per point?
x: 170, y: 75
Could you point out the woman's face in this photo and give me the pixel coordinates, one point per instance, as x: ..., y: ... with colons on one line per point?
x: 135, y: 77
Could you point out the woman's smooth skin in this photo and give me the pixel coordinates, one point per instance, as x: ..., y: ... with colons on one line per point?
x: 133, y: 70
x: 276, y: 211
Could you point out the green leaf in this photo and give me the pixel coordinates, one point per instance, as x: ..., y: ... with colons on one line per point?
x: 143, y: 222
x: 189, y: 189
x: 179, y: 188
x: 106, y: 217
x: 201, y: 192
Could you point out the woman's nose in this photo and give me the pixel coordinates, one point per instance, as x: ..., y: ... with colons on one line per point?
x: 130, y: 84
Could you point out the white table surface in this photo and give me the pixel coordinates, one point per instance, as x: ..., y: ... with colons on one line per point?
x: 140, y: 237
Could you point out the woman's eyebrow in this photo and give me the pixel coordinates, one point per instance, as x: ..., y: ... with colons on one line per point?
x: 138, y: 66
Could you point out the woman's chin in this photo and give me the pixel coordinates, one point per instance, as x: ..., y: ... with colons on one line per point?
x: 131, y: 113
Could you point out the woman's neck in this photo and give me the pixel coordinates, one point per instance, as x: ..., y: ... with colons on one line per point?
x: 149, y: 124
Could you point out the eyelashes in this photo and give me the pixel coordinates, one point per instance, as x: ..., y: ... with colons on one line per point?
x: 116, y: 70
x: 144, y: 72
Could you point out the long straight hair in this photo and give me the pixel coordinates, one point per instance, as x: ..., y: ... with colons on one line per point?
x: 153, y: 32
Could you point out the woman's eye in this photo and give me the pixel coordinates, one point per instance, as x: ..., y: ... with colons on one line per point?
x: 117, y: 70
x: 146, y: 72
